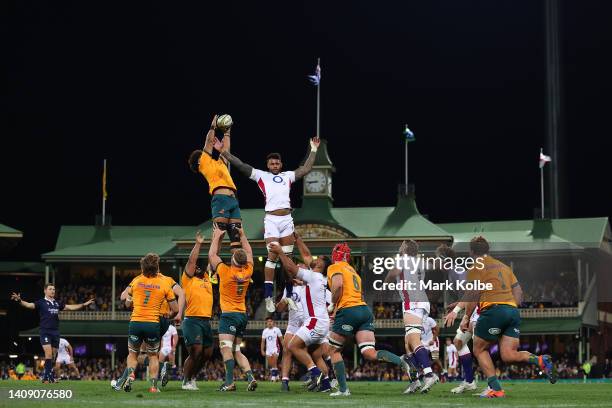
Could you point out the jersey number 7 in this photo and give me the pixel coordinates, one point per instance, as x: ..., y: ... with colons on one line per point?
x: 147, y: 296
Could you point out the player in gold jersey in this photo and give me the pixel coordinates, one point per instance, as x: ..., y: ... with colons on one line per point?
x: 224, y: 205
x: 146, y: 293
x: 234, y: 282
x: 197, y: 332
x: 352, y: 318
x: 499, y: 319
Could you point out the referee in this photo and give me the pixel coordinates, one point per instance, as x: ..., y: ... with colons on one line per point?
x: 48, y: 310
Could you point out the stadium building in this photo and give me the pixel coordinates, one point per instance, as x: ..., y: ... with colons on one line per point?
x: 562, y: 264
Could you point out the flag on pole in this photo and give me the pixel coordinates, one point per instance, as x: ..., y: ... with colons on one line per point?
x: 316, y: 78
x: 104, y: 192
x: 409, y: 135
x: 544, y: 159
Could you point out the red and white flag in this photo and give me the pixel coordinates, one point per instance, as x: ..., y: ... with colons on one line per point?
x: 544, y: 159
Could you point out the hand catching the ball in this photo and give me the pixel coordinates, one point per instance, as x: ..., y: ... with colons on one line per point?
x: 199, y: 237
x: 218, y: 145
x: 213, y: 124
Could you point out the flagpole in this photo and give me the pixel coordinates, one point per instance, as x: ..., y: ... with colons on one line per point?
x: 104, y: 195
x: 542, y: 185
x: 319, y: 102
x: 406, y: 164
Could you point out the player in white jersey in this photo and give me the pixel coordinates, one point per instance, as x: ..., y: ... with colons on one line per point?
x: 167, y: 351
x: 271, y: 339
x: 294, y: 322
x: 65, y: 356
x: 313, y: 332
x: 452, y: 359
x: 461, y: 338
x: 415, y: 305
x: 429, y: 338
x: 275, y: 185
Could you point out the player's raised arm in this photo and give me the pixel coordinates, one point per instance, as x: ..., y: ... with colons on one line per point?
x: 191, y: 266
x: 290, y: 267
x: 244, y: 242
x: 307, y: 166
x: 244, y: 168
x: 17, y: 298
x: 213, y: 252
x: 302, y: 248
x: 209, y: 140
x: 179, y: 293
x: 79, y: 306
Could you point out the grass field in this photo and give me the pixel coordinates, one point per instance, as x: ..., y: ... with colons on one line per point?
x: 365, y: 394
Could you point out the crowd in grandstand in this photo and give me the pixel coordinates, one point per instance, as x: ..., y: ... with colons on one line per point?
x: 100, y: 369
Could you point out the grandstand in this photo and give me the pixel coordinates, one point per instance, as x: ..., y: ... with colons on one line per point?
x: 560, y: 262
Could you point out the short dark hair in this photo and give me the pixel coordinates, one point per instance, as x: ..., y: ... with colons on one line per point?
x: 194, y: 160
x: 48, y: 284
x: 276, y: 156
x: 149, y: 264
x: 479, y: 246
x: 326, y: 263
x: 269, y: 318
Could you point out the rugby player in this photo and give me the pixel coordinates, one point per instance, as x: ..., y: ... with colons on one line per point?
x: 197, y: 332
x: 224, y: 205
x: 271, y: 339
x: 65, y: 355
x: 294, y: 322
x: 415, y: 306
x: 233, y: 285
x: 462, y: 337
x: 146, y: 293
x: 167, y: 352
x: 451, y: 359
x: 48, y: 311
x: 352, y: 318
x: 275, y: 185
x: 499, y: 319
x: 315, y: 328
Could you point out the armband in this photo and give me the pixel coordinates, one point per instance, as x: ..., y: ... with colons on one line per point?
x: 457, y: 309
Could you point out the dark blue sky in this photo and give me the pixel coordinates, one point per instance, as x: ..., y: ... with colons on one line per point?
x: 136, y: 83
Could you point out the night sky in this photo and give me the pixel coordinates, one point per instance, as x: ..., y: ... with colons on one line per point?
x: 136, y: 82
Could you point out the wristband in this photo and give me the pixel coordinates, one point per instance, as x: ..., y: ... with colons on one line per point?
x: 129, y: 298
x: 457, y: 309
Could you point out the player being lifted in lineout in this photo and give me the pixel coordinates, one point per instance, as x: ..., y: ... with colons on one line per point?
x: 275, y: 185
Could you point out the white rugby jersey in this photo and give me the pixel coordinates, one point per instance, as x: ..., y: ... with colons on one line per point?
x: 427, y: 335
x: 315, y: 296
x: 275, y: 188
x: 63, y: 347
x: 415, y: 274
x: 272, y: 337
x: 167, y: 338
x: 451, y: 355
x: 297, y: 294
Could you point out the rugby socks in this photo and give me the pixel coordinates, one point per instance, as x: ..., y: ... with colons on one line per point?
x: 384, y: 355
x: 274, y: 372
x: 48, y: 368
x: 340, y: 375
x: 249, y: 375
x: 268, y: 289
x: 533, y: 359
x: 289, y: 287
x: 229, y: 371
x: 494, y: 383
x: 314, y: 372
x: 325, y: 385
x: 468, y: 368
x: 422, y: 357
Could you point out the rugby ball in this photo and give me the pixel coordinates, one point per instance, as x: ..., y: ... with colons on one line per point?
x: 224, y: 122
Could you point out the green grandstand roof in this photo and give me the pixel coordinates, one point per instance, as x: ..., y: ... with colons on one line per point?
x: 113, y: 243
x: 22, y: 267
x: 8, y: 232
x: 522, y: 235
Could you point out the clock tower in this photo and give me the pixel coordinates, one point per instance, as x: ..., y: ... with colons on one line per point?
x: 318, y: 183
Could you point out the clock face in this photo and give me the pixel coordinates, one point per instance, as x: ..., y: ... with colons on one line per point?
x: 315, y: 181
